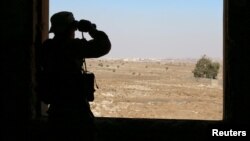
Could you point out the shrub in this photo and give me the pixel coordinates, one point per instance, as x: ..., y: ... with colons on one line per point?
x: 205, y: 68
x: 100, y: 64
x: 166, y: 68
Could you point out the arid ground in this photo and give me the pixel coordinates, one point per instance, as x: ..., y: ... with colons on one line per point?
x: 163, y: 89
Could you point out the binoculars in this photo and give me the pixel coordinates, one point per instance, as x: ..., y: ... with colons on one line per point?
x: 85, y: 26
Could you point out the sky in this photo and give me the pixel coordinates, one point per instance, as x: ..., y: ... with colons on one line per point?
x: 153, y: 28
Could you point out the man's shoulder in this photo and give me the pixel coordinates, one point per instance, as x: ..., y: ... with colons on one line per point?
x: 72, y: 42
x: 49, y: 41
x: 77, y: 42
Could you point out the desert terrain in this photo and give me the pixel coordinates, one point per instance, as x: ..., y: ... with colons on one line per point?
x: 162, y: 89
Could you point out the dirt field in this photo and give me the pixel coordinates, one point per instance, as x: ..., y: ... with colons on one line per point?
x: 154, y: 89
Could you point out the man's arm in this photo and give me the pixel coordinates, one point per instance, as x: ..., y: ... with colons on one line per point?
x: 100, y: 44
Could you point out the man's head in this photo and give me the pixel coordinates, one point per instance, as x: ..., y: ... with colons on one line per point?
x: 63, y: 21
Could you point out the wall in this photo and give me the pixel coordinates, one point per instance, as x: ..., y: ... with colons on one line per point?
x: 236, y: 61
x: 17, y: 44
x: 20, y: 33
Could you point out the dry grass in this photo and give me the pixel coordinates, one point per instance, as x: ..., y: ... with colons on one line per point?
x: 151, y: 89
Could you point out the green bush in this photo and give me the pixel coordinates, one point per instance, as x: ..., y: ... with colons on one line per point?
x: 205, y: 68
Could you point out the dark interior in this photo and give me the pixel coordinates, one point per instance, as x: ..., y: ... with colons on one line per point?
x: 24, y: 25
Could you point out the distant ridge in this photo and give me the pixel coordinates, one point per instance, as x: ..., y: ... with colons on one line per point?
x: 139, y: 59
x: 173, y: 60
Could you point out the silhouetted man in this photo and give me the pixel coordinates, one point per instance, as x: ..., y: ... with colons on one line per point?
x: 70, y: 117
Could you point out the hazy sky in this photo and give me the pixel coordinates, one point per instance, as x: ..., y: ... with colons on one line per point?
x: 153, y: 28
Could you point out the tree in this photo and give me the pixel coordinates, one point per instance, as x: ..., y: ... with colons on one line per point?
x: 205, y: 68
